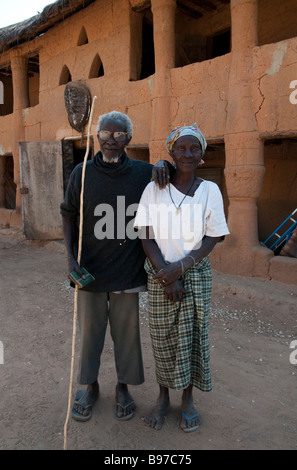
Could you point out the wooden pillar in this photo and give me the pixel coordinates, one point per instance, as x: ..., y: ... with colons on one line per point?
x: 164, y: 33
x: 19, y: 67
x: 164, y: 44
x: 20, y: 102
x: 244, y: 19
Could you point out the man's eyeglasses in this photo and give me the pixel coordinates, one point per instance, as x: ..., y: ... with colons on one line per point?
x: 118, y: 135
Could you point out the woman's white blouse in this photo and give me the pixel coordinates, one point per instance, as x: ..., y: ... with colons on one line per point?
x: 179, y: 223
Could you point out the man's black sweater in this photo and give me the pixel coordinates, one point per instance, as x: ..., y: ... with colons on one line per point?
x: 108, y: 253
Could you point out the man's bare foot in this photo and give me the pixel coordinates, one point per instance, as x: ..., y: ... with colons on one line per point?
x: 125, y: 405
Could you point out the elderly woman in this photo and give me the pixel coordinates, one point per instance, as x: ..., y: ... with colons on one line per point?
x: 181, y: 225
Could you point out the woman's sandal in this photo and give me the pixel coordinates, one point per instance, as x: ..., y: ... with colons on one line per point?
x: 188, y: 420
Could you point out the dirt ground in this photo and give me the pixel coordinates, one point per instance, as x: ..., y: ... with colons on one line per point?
x: 253, y: 403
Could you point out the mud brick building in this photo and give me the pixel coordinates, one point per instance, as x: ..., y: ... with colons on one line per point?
x: 229, y: 65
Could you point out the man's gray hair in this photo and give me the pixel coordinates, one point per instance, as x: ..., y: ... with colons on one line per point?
x: 125, y: 120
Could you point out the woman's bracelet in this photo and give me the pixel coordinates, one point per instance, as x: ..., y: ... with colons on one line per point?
x: 182, y: 265
x: 189, y: 256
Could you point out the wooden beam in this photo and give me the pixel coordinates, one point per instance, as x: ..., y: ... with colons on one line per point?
x: 202, y: 4
x: 278, y: 135
x: 189, y: 11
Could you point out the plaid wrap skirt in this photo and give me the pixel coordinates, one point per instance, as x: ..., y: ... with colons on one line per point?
x: 179, y: 330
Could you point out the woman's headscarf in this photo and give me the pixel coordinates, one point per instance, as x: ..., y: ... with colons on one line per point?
x: 186, y: 130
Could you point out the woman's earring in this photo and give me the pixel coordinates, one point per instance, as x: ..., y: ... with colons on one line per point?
x: 201, y: 162
x: 173, y: 164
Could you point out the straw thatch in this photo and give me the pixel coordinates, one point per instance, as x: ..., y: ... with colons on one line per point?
x: 58, y: 11
x: 29, y: 29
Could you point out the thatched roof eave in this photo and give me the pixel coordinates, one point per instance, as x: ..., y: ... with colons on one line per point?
x: 52, y: 14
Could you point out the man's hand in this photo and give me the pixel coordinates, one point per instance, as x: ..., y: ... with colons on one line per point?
x: 162, y: 172
x: 70, y: 236
x: 74, y: 266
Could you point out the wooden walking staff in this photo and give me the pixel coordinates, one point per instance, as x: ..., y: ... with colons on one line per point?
x: 78, y: 260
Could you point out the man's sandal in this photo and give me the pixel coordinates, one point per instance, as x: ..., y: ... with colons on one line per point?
x: 87, y: 406
x: 121, y: 413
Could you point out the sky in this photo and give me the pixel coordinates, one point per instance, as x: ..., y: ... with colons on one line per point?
x: 14, y: 11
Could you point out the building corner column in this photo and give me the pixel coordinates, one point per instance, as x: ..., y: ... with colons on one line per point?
x: 241, y: 252
x: 20, y: 102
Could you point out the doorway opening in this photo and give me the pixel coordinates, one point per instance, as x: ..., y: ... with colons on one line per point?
x: 278, y: 198
x: 7, y: 184
x: 73, y: 153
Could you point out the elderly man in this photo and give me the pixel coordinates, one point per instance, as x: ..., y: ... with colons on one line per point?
x: 114, y: 256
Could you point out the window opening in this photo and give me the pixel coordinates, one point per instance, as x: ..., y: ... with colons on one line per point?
x: 202, y: 31
x: 65, y: 76
x: 148, y: 52
x: 142, y: 54
x: 97, y: 69
x: 33, y: 80
x: 83, y: 37
x: 218, y: 45
x: 6, y: 101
